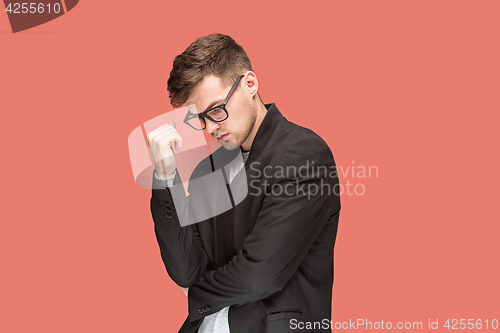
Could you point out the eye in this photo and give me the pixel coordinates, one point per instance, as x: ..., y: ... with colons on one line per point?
x: 217, y: 114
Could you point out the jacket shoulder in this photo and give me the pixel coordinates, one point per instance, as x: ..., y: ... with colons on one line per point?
x: 299, y: 136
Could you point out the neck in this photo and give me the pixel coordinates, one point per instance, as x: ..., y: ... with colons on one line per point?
x: 261, y: 113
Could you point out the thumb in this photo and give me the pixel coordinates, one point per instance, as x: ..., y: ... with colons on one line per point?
x: 178, y: 143
x: 178, y: 139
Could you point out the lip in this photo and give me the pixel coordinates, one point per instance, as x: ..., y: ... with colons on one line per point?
x: 222, y: 137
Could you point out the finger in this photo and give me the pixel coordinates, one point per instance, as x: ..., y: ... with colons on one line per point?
x: 178, y: 141
x: 176, y: 138
x: 161, y: 133
x: 159, y: 130
x: 172, y: 123
x: 166, y: 138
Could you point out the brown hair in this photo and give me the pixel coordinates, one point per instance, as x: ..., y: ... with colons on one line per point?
x: 213, y: 54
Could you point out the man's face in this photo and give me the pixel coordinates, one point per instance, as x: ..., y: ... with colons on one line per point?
x: 233, y: 131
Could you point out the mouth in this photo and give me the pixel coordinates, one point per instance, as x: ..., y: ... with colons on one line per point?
x: 222, y: 137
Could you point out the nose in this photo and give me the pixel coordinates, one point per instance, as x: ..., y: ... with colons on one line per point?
x: 211, y: 126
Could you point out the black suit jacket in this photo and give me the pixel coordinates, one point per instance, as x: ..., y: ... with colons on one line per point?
x: 280, y: 237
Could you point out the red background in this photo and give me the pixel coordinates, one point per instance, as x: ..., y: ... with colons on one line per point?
x: 411, y: 87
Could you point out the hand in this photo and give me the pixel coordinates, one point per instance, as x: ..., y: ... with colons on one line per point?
x: 185, y: 291
x: 160, y: 143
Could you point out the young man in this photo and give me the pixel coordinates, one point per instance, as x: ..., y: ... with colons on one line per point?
x: 265, y: 264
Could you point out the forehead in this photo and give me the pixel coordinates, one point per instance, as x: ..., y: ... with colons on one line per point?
x: 209, y: 90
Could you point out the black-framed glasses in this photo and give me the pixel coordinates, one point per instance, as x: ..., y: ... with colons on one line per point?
x: 216, y: 114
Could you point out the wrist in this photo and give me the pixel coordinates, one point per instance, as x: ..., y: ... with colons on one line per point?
x: 164, y: 176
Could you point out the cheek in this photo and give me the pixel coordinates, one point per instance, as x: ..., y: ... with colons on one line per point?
x: 241, y: 120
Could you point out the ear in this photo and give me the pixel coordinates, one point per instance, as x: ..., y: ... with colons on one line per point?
x: 251, y: 84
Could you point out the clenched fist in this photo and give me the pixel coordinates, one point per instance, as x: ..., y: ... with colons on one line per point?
x: 160, y: 143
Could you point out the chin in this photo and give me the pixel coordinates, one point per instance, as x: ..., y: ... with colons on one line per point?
x: 229, y: 145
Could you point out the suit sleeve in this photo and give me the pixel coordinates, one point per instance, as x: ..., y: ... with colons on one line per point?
x: 294, y: 211
x: 180, y: 247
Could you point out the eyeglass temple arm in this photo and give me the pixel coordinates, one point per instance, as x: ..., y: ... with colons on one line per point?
x: 233, y: 88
